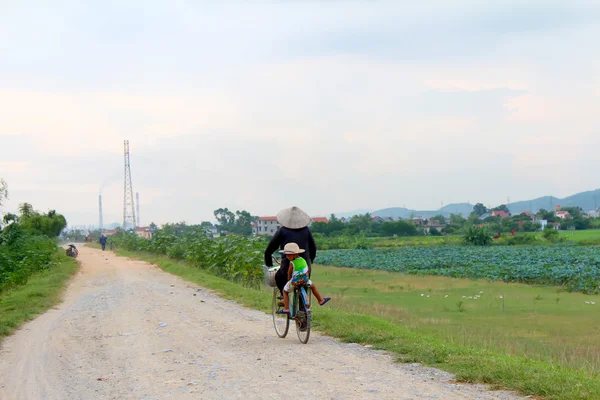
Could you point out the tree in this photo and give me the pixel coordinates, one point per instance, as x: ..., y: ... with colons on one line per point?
x: 547, y: 215
x: 226, y: 219
x: 440, y: 218
x: 50, y: 224
x: 243, y: 223
x: 456, y: 219
x: 206, y: 225
x: 363, y: 222
x: 3, y: 191
x: 479, y: 209
x: 477, y: 236
x: 550, y: 234
x: 335, y: 225
x: 434, y: 232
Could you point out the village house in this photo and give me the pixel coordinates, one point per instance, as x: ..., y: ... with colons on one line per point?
x: 433, y: 224
x: 269, y: 225
x: 562, y: 214
x: 265, y: 226
x: 500, y: 213
x: 418, y: 221
x: 144, y: 232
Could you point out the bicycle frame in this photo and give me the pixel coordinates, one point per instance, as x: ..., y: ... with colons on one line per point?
x: 302, y: 291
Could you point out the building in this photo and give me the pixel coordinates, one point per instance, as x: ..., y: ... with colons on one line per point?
x: 109, y: 232
x: 266, y: 226
x: 418, y: 221
x: 144, y: 232
x: 500, y: 213
x: 562, y: 214
x: 320, y: 219
x: 433, y: 224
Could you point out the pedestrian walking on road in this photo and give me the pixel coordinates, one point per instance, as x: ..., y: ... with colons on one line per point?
x: 103, y: 242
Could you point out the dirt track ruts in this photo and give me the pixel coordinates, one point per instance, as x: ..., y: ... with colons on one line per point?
x: 149, y: 337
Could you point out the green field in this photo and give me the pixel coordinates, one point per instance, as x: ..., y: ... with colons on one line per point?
x: 582, y: 236
x: 542, y: 323
x: 543, y: 342
x: 42, y: 291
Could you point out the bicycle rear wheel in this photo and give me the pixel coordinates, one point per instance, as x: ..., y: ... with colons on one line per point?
x: 281, y: 322
x: 303, y: 315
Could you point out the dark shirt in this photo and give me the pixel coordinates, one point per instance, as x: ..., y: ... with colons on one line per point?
x: 103, y: 240
x: 302, y: 237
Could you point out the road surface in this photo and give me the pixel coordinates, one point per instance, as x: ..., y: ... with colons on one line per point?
x: 127, y: 330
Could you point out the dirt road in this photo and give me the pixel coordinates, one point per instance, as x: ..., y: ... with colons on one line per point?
x: 127, y: 330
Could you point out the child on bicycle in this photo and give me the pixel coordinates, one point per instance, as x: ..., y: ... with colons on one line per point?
x: 297, y: 275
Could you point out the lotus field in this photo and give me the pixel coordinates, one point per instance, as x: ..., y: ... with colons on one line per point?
x: 576, y: 268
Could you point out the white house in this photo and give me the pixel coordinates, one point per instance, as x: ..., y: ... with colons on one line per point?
x: 266, y: 226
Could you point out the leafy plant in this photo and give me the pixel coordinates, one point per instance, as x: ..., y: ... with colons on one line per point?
x: 574, y: 268
x: 477, y: 236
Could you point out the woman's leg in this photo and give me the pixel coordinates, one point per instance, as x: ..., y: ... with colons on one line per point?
x: 281, y: 277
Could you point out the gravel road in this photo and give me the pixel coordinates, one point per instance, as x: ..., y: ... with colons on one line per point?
x: 127, y: 330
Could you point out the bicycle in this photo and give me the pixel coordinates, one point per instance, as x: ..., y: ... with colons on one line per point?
x: 299, y: 311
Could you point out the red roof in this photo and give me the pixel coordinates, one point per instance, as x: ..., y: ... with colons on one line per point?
x: 500, y: 213
x: 320, y: 219
x: 142, y: 229
x: 267, y: 218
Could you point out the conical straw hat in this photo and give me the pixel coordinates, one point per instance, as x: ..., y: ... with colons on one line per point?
x: 292, y: 248
x: 293, y: 218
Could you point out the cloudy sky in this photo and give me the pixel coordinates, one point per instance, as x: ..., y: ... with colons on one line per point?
x: 332, y: 106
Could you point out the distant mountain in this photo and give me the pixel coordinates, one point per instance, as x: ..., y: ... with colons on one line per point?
x: 405, y: 213
x: 351, y: 213
x: 586, y: 200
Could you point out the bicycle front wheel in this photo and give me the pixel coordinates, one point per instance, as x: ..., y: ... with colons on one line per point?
x: 303, y: 316
x: 281, y: 322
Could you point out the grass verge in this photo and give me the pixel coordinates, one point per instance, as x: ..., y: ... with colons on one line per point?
x: 43, y: 290
x: 469, y: 363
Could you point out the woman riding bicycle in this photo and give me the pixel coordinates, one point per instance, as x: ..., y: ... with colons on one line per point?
x: 294, y: 229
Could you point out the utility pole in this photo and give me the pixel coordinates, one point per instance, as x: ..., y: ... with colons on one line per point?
x: 101, y: 225
x: 137, y: 204
x: 128, y: 203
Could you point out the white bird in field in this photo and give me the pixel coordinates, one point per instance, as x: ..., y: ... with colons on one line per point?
x: 587, y: 302
x: 593, y: 302
x: 501, y: 297
x: 422, y: 294
x: 481, y: 292
x: 446, y: 296
x: 428, y: 296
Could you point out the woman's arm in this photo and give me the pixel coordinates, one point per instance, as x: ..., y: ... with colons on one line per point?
x: 272, y: 247
x: 312, y: 247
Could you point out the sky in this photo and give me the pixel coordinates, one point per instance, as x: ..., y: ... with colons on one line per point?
x: 330, y: 106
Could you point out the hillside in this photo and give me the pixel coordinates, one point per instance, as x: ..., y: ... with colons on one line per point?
x: 589, y: 200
